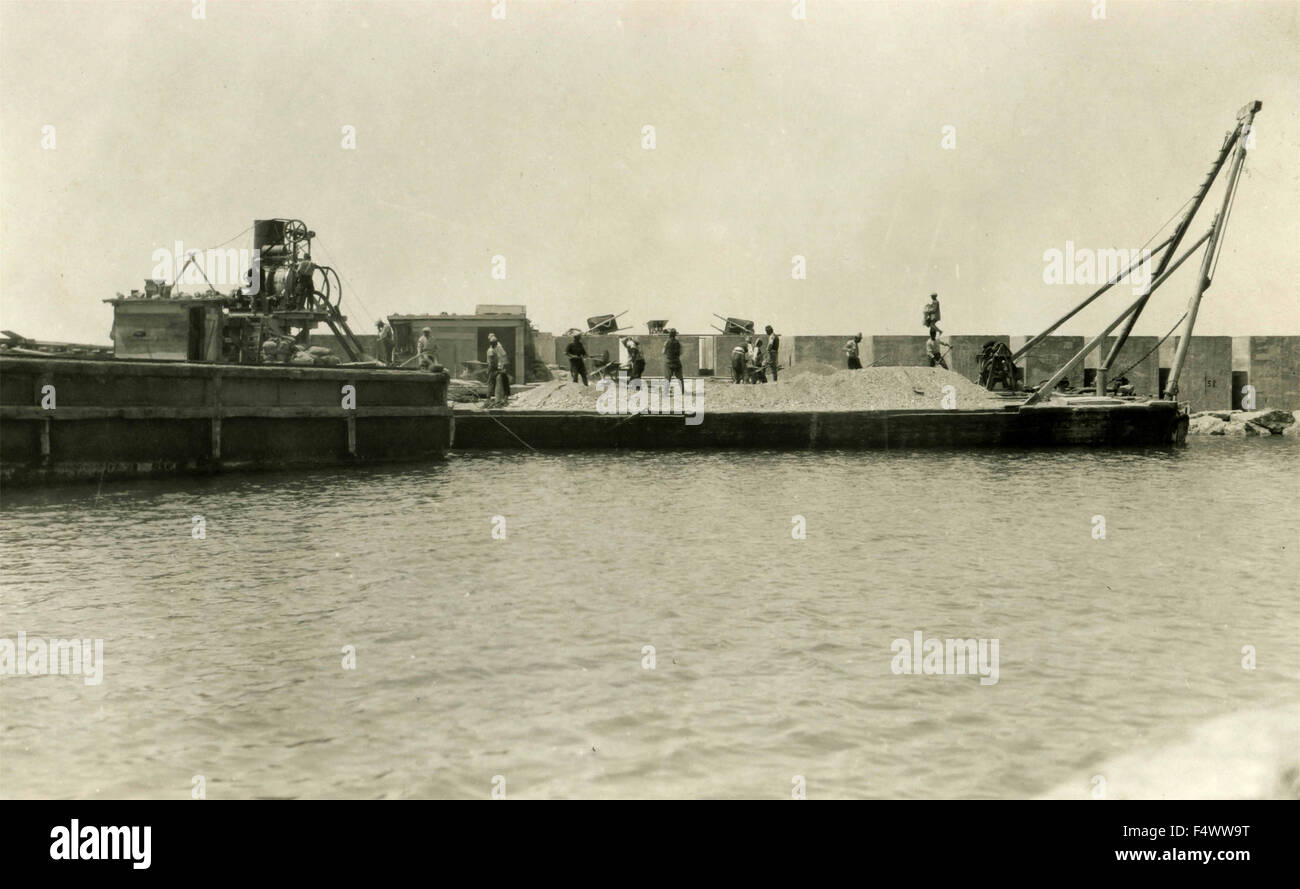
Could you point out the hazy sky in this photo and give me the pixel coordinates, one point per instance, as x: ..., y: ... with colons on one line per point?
x: 522, y: 137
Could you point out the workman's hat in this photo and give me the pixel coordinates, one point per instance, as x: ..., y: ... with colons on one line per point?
x: 426, y: 330
x: 768, y: 328
x: 492, y: 336
x: 379, y: 323
x: 672, y: 331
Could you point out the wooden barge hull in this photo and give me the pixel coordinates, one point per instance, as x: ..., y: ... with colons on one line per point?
x: 1124, y: 424
x: 69, y: 420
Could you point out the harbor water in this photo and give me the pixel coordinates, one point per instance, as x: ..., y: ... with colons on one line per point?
x: 605, y: 625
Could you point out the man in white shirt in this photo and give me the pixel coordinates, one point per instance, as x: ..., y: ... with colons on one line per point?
x: 426, y: 350
x: 932, y: 350
x: 498, y: 374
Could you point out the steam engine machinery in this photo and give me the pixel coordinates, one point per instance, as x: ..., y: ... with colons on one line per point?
x: 285, y: 295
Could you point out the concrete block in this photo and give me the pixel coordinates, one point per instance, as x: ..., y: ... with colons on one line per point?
x: 895, y: 351
x: 1274, y: 371
x: 823, y: 349
x: 1206, y: 381
x: 1047, y: 357
x: 1144, y: 374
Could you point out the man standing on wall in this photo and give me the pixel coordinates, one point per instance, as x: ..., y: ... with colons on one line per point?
x: 577, y: 353
x: 851, y: 353
x: 930, y: 318
x: 673, y: 362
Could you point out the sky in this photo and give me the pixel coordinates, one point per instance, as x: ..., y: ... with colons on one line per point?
x: 523, y: 136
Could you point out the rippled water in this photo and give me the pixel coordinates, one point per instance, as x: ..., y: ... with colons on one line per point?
x: 523, y: 657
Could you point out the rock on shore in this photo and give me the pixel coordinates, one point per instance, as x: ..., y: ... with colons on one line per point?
x: 1270, y: 422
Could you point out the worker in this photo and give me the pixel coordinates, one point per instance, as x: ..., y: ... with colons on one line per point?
x: 385, y: 340
x: 493, y: 369
x: 498, y: 375
x: 635, y: 360
x: 851, y: 353
x: 738, y: 363
x: 773, y: 350
x: 426, y: 350
x: 932, y: 350
x: 502, y: 389
x: 756, y: 361
x: 930, y: 318
x: 673, y: 361
x: 577, y: 353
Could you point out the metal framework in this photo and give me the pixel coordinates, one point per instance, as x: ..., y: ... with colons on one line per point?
x: 1165, y: 267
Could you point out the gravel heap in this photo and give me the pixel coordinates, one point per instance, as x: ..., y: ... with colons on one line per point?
x: 872, y: 388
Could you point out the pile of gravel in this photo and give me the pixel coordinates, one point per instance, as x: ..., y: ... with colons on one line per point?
x: 810, y: 367
x: 872, y: 388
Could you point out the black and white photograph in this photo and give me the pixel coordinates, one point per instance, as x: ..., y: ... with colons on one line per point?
x: 781, y: 400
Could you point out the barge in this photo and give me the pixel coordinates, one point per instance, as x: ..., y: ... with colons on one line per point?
x: 1064, y: 421
x: 210, y: 382
x: 1042, y: 417
x: 75, y: 420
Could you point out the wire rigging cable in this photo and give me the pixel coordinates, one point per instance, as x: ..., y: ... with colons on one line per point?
x: 1158, y: 344
x: 356, y: 295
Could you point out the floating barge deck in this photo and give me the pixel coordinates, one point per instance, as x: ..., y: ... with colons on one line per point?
x: 68, y: 420
x: 1064, y: 421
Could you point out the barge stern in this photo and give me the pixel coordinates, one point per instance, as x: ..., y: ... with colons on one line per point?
x: 69, y: 420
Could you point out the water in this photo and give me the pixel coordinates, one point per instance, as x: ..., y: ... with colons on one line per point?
x: 523, y: 657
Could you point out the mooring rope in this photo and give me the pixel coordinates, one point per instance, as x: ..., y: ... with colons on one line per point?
x: 512, y: 432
